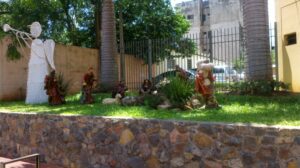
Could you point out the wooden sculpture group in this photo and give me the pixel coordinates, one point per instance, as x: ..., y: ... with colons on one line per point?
x: 43, y: 86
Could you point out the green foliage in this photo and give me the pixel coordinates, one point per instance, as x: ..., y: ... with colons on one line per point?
x: 63, y: 85
x: 156, y: 20
x: 273, y: 56
x: 73, y: 22
x: 13, y: 53
x: 258, y: 87
x: 150, y: 19
x: 281, y: 86
x: 178, y: 91
x: 153, y: 101
x: 66, y: 21
x: 239, y: 64
x: 4, y: 8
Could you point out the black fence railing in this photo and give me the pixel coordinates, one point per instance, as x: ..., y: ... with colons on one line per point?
x: 223, y: 47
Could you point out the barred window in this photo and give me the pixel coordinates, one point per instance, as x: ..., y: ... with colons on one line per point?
x: 189, y: 64
x: 290, y: 39
x: 171, y: 63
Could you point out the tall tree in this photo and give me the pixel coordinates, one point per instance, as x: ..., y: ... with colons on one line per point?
x: 4, y: 8
x: 151, y: 19
x: 66, y: 21
x: 256, y: 24
x: 108, y: 66
x: 156, y: 20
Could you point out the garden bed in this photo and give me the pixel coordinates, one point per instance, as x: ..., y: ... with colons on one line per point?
x: 278, y: 110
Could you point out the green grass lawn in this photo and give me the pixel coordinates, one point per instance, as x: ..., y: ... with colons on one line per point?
x: 277, y: 110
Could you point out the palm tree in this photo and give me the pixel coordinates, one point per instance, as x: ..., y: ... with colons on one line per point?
x: 256, y: 24
x: 108, y: 64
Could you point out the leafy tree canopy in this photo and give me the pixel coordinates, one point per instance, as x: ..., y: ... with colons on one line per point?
x: 73, y: 22
x: 150, y: 19
x: 156, y: 20
x: 66, y: 21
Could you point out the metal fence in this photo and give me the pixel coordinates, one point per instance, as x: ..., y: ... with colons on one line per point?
x: 223, y: 47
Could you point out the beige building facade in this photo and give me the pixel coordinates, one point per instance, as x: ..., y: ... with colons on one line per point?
x: 218, y: 25
x: 288, y: 21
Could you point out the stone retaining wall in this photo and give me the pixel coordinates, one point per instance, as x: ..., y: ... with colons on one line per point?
x: 96, y: 142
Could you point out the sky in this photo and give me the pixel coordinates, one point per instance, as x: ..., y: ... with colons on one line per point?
x: 271, y: 8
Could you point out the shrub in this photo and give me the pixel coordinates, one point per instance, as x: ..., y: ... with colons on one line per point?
x: 153, y: 101
x: 178, y: 91
x: 13, y: 53
x: 261, y: 87
x: 63, y: 85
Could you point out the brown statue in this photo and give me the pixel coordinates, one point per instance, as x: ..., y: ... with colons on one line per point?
x: 146, y: 87
x: 87, y: 87
x: 52, y: 90
x: 204, y: 83
x: 120, y: 88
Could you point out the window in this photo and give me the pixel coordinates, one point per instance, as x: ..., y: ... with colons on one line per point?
x: 223, y: 1
x: 171, y: 63
x: 203, y: 18
x: 290, y: 39
x: 189, y: 64
x: 190, y: 17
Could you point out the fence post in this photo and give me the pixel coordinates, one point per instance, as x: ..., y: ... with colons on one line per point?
x: 122, y: 51
x: 211, y: 59
x: 276, y: 51
x: 150, y: 60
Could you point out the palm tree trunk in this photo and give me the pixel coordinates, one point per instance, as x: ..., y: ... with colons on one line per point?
x: 108, y: 64
x: 256, y: 24
x: 97, y: 4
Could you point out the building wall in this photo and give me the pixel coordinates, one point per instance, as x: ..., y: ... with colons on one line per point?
x: 223, y: 18
x: 191, y: 8
x: 225, y: 12
x: 225, y: 21
x: 84, y: 142
x: 218, y: 14
x: 288, y: 19
x: 227, y: 42
x: 71, y: 61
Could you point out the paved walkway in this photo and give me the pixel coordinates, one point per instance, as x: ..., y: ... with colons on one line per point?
x: 25, y: 164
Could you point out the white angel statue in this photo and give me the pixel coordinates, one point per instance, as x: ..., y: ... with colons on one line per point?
x: 41, y: 57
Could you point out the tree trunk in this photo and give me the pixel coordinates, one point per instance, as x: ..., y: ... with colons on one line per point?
x: 256, y: 24
x: 98, y: 5
x: 108, y: 65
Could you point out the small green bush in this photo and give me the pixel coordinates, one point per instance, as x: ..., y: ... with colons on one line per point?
x: 153, y: 101
x: 63, y: 85
x: 13, y: 53
x: 261, y: 87
x: 178, y: 91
